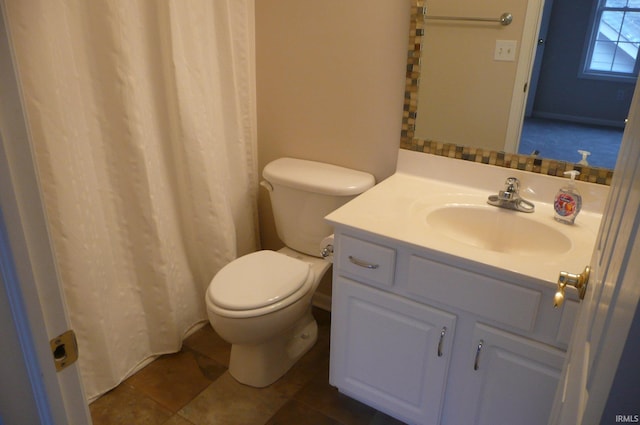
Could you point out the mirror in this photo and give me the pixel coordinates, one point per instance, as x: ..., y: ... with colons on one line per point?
x: 441, y: 144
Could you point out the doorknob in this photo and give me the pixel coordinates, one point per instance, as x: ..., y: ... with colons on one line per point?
x: 578, y: 281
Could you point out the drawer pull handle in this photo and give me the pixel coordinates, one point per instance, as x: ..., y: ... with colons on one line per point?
x: 476, y: 366
x: 443, y: 332
x: 361, y: 263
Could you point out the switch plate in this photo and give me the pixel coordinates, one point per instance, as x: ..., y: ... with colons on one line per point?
x: 505, y: 50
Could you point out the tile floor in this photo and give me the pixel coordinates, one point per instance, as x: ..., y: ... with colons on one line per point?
x: 193, y: 387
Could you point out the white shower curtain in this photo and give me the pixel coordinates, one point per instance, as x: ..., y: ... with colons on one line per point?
x: 142, y: 120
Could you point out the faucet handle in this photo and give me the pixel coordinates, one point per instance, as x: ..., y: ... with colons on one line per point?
x: 511, y: 189
x: 512, y: 184
x: 509, y: 197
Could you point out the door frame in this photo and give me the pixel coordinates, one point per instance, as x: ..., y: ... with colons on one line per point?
x: 538, y: 58
x: 38, y: 307
x: 528, y: 46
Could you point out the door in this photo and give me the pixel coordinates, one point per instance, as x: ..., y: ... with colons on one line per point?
x: 29, y: 276
x: 18, y: 405
x: 612, y: 296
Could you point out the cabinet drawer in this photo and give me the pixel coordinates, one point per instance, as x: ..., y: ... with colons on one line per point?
x: 491, y: 298
x: 367, y: 261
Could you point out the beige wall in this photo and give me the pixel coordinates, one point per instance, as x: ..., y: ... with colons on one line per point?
x: 465, y: 95
x: 330, y: 85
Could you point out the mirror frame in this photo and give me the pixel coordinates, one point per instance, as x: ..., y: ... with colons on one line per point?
x: 408, y: 140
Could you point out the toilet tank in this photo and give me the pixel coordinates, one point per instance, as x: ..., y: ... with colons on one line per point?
x: 303, y: 192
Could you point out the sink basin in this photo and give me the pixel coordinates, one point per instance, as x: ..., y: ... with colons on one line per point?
x: 498, y: 230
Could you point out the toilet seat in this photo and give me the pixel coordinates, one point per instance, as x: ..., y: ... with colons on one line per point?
x: 259, y: 282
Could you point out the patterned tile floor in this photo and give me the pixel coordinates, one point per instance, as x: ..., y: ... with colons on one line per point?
x: 193, y: 387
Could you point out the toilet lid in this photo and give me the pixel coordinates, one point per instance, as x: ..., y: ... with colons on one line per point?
x: 257, y: 280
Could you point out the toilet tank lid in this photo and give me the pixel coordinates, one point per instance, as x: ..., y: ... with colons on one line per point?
x: 317, y: 177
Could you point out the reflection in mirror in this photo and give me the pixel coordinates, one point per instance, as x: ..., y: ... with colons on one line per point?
x: 553, y: 156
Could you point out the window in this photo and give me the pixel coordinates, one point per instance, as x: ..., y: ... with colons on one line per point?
x: 614, y: 41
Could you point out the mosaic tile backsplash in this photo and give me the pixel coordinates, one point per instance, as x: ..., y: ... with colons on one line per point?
x: 501, y: 159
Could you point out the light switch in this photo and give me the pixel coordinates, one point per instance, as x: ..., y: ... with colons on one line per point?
x: 505, y: 50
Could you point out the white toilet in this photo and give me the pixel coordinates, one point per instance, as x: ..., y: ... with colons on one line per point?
x: 261, y: 302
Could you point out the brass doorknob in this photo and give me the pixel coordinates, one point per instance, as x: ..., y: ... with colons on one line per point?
x: 578, y: 281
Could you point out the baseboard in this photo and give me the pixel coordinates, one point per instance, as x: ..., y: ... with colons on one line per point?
x: 322, y: 301
x: 576, y: 119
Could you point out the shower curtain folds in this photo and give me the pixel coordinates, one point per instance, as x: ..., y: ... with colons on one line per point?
x: 142, y: 121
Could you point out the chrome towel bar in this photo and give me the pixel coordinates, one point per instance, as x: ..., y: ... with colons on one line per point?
x: 504, y: 19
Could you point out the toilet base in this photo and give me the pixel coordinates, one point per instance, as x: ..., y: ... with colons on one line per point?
x: 262, y: 364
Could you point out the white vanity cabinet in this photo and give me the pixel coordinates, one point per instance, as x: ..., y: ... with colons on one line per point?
x: 391, y: 352
x: 507, y: 380
x: 429, y: 342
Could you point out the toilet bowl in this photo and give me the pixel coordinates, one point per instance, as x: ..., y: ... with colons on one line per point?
x: 261, y: 304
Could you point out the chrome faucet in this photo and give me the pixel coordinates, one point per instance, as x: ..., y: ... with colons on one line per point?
x: 510, y: 198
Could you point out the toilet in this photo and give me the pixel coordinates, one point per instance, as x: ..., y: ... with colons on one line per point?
x: 261, y: 302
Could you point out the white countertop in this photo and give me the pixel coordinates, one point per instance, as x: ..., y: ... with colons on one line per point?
x: 397, y: 209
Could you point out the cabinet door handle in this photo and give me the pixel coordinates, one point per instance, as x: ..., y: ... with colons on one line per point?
x: 443, y: 332
x: 361, y: 263
x: 476, y: 365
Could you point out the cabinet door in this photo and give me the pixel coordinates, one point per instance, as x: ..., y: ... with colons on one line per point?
x: 512, y: 380
x: 389, y: 352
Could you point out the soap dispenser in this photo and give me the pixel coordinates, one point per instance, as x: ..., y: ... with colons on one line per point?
x: 568, y: 200
x: 584, y: 154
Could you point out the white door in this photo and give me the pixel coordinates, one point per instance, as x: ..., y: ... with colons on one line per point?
x: 612, y: 295
x: 29, y: 279
x: 18, y: 405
